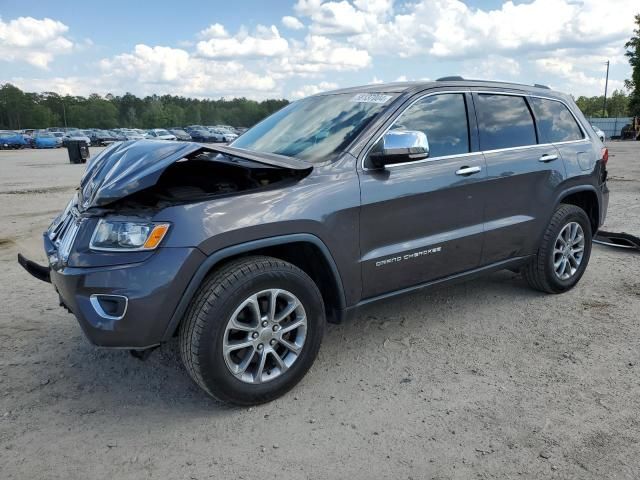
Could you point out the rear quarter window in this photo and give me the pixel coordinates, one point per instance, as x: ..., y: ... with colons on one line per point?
x: 504, y: 121
x: 555, y: 122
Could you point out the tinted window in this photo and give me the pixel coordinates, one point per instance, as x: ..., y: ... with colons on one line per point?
x: 555, y: 121
x: 443, y: 119
x: 504, y: 121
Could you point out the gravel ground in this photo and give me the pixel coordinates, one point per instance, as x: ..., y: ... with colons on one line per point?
x: 486, y: 379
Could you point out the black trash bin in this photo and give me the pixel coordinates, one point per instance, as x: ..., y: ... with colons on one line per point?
x: 78, y: 151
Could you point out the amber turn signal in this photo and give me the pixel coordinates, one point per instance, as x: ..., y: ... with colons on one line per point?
x: 156, y: 236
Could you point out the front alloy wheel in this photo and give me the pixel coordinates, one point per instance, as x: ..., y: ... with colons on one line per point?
x: 253, y: 330
x: 264, y: 336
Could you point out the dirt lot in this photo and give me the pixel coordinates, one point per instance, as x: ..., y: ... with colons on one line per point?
x: 487, y: 379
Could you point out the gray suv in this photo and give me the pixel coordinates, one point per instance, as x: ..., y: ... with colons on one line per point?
x: 338, y: 200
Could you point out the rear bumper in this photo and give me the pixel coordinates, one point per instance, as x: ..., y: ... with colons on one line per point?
x: 152, y: 290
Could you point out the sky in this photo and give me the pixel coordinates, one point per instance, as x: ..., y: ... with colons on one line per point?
x: 294, y: 48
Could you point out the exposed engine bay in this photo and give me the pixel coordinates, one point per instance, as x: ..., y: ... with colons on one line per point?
x: 208, y: 175
x: 150, y: 175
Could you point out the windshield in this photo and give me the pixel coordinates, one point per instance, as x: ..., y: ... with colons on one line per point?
x: 44, y: 135
x: 314, y: 128
x: 162, y: 132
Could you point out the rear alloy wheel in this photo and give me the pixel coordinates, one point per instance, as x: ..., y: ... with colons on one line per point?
x: 568, y: 251
x: 564, y: 252
x: 253, y: 330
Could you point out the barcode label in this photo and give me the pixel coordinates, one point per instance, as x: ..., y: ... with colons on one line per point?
x: 371, y: 98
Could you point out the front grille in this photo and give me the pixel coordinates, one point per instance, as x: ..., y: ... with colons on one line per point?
x: 63, y: 231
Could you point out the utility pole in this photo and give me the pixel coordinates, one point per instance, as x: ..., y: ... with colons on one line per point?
x: 64, y: 114
x: 606, y: 85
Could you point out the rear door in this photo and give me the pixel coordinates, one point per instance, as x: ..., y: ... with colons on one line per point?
x: 522, y: 176
x: 422, y: 220
x: 557, y: 125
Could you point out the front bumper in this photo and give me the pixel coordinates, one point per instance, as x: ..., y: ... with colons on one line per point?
x: 152, y: 289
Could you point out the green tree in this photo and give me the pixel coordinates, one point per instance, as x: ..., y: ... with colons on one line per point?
x: 633, y: 54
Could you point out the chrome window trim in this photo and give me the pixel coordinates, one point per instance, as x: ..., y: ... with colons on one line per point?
x: 585, y: 138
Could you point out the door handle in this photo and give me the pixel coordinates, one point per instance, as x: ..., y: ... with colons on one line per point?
x: 467, y: 170
x: 548, y: 158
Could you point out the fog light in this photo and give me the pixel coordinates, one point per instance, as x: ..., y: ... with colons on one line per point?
x: 111, y: 307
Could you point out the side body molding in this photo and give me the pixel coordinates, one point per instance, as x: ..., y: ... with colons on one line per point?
x: 238, y: 249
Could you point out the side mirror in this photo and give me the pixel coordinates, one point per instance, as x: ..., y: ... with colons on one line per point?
x: 399, y: 146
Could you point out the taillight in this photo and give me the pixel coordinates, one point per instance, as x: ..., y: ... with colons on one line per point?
x: 604, y: 153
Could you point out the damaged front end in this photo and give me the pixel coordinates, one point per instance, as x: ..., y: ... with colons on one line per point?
x: 171, y: 171
x: 104, y: 251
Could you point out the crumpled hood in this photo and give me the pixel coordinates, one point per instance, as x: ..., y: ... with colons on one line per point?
x: 125, y: 168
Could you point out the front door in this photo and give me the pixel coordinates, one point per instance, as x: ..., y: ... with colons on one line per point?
x: 423, y: 220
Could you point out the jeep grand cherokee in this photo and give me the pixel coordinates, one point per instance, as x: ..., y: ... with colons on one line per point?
x: 337, y: 200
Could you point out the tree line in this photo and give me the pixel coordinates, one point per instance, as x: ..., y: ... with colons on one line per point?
x: 617, y: 105
x: 19, y: 110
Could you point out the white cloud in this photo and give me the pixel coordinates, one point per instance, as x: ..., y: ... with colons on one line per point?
x: 215, y: 30
x: 171, y: 70
x: 343, y: 17
x: 574, y: 80
x: 292, y: 23
x: 35, y: 41
x: 494, y: 67
x: 266, y: 42
x: 451, y: 29
x: 321, y: 54
x: 307, y: 90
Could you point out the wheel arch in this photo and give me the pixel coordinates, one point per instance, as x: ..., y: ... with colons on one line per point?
x: 306, y: 251
x: 585, y: 197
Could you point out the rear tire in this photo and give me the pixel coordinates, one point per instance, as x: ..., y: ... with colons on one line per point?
x: 232, y: 308
x: 564, y: 252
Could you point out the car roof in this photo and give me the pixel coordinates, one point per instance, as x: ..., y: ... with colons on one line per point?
x: 455, y: 81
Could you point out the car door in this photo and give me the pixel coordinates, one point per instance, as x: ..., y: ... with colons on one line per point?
x: 557, y: 125
x: 423, y: 220
x: 522, y: 176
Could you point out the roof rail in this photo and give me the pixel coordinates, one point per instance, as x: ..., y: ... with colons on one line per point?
x: 450, y: 79
x: 458, y: 78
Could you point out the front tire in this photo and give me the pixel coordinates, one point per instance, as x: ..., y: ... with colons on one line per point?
x: 253, y: 330
x: 564, y: 252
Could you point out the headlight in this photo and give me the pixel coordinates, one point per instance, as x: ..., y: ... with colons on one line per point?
x: 127, y: 236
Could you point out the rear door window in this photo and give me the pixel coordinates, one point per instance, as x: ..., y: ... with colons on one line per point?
x: 555, y: 122
x: 443, y: 119
x: 504, y: 121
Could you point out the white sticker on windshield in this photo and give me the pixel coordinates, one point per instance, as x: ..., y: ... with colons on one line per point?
x: 371, y: 98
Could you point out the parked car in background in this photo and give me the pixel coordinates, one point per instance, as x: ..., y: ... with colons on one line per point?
x: 131, y: 134
x: 117, y: 135
x: 101, y: 137
x: 200, y: 134
x: 11, y: 139
x: 60, y: 137
x: 600, y: 133
x: 223, y: 135
x: 180, y: 134
x: 46, y: 140
x: 28, y: 137
x: 160, y: 134
x: 144, y: 133
x: 75, y: 134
